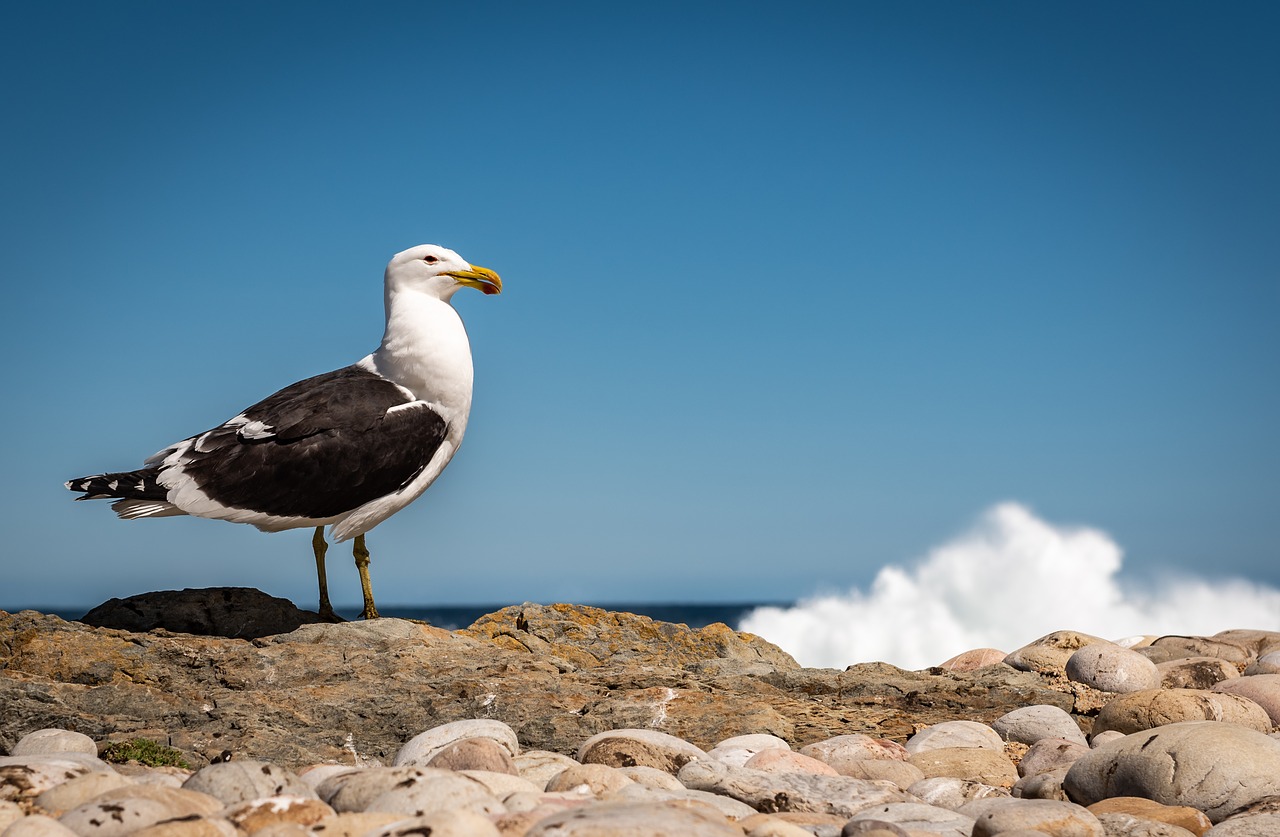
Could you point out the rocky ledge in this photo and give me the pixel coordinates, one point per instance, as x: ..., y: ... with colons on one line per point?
x: 563, y: 719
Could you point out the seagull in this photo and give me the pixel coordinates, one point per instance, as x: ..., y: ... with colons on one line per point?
x: 346, y: 449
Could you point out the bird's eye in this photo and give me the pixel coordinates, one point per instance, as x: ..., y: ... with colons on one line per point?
x: 430, y: 259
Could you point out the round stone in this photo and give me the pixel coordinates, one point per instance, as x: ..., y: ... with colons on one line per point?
x: 420, y: 749
x: 1156, y: 707
x: 634, y: 818
x: 1029, y: 724
x: 841, y: 749
x: 901, y: 773
x: 474, y: 754
x: 786, y: 761
x: 1262, y: 689
x: 1050, y: 754
x: 629, y: 747
x: 954, y: 734
x: 450, y: 823
x: 596, y: 779
x: 917, y: 816
x: 1195, y: 672
x: 257, y: 814
x: 975, y: 763
x: 1111, y: 668
x: 44, y: 742
x: 134, y: 807
x: 439, y: 791
x: 974, y: 659
x: 1181, y: 816
x: 38, y: 825
x: 1049, y: 653
x: 1064, y: 819
x: 950, y: 792
x: 78, y: 791
x: 538, y: 766
x: 240, y: 781
x: 1215, y: 767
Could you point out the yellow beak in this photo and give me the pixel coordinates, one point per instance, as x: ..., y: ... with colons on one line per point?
x: 481, y: 278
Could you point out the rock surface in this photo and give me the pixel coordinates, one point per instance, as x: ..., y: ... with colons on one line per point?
x: 354, y: 693
x: 564, y: 719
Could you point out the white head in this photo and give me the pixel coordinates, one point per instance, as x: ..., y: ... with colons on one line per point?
x: 438, y: 272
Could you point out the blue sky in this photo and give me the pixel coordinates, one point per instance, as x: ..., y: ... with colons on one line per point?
x: 791, y: 293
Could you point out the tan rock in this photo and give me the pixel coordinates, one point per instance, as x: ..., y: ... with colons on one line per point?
x: 1195, y: 672
x: 38, y: 825
x: 901, y: 773
x: 596, y: 779
x: 625, y: 819
x: 974, y: 659
x: 630, y: 747
x: 475, y: 754
x: 191, y: 827
x: 787, y: 761
x: 1049, y: 653
x: 353, y: 824
x: 1166, y: 648
x: 1180, y: 815
x: 78, y: 791
x: 973, y: 763
x: 256, y: 814
x: 1156, y: 707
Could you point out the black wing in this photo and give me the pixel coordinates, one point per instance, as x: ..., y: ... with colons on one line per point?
x: 317, y: 448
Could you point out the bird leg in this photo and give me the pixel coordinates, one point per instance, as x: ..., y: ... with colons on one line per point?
x: 320, y: 548
x: 361, y: 553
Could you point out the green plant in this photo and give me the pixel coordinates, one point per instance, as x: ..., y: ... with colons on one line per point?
x: 144, y: 752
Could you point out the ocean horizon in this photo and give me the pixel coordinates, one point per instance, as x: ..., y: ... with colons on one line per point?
x: 452, y: 617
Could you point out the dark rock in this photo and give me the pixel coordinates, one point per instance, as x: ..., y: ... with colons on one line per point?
x: 232, y: 612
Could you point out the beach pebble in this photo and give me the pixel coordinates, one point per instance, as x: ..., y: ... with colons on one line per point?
x: 474, y: 754
x: 240, y: 781
x: 952, y: 793
x: 1099, y: 738
x: 257, y: 814
x: 1050, y: 754
x: 838, y: 795
x: 1111, y: 668
x: 1127, y: 825
x: 127, y: 809
x: 314, y: 774
x: 1049, y: 653
x: 918, y: 816
x: 1180, y: 815
x: 1182, y: 764
x: 974, y: 659
x: 1248, y: 824
x: 975, y: 763
x: 418, y: 796
x: 871, y: 828
x: 627, y: 747
x: 651, y: 777
x: 1151, y: 708
x: 750, y: 744
x: 1180, y: 647
x: 352, y: 824
x: 1195, y: 672
x: 501, y: 785
x: 791, y: 824
x: 44, y: 742
x: 26, y: 777
x: 787, y: 761
x: 1267, y: 663
x: 1045, y: 785
x: 631, y: 819
x: 449, y: 823
x: 901, y: 773
x: 1262, y: 689
x: 596, y: 779
x: 78, y: 791
x: 725, y: 806
x: 9, y: 811
x: 538, y: 766
x: 38, y: 825
x: 839, y: 749
x: 1029, y: 724
x: 355, y: 790
x: 420, y: 749
x: 194, y: 827
x: 1062, y: 819
x: 954, y: 734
